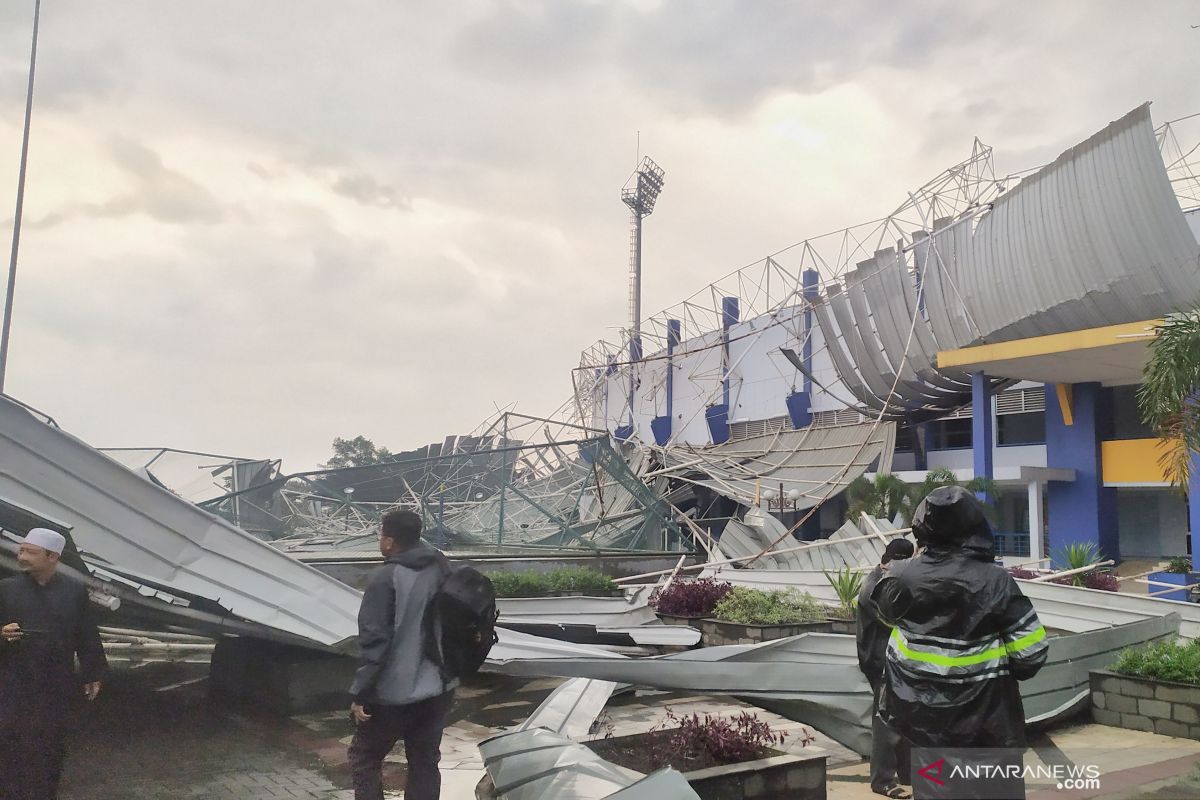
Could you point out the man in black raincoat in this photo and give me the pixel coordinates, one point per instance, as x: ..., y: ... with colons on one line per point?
x: 964, y: 636
x: 889, y: 751
x: 46, y: 622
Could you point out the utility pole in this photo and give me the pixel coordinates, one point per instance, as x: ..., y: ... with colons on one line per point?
x: 16, y: 237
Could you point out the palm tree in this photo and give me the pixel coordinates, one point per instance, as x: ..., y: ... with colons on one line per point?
x: 944, y: 476
x: 1170, y: 391
x: 888, y: 496
x: 882, y: 498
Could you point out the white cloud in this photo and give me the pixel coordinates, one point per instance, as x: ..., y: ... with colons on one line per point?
x: 252, y: 228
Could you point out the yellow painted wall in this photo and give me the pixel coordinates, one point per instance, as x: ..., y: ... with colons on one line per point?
x: 1132, y: 461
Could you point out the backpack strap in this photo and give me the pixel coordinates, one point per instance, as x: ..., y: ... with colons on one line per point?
x: 430, y: 622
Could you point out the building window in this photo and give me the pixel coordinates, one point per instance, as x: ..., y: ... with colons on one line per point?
x: 950, y: 434
x: 1127, y: 416
x: 904, y: 439
x: 1026, y: 428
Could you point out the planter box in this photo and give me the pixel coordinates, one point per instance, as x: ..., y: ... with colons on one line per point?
x: 782, y: 776
x: 1142, y: 704
x: 671, y: 619
x: 1176, y: 578
x: 845, y: 626
x: 714, y: 632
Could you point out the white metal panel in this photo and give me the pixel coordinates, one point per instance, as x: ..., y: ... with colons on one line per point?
x: 130, y: 522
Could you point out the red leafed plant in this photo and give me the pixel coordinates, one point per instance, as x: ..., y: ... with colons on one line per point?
x: 726, y: 740
x: 690, y: 598
x: 1105, y: 581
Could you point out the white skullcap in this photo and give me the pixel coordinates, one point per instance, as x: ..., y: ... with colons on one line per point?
x: 46, y: 539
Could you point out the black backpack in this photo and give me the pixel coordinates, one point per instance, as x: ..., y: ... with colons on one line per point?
x: 464, y: 610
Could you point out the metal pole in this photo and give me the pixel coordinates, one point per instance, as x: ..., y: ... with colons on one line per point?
x: 16, y: 238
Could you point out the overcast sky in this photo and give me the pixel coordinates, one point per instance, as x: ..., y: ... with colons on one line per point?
x: 252, y: 227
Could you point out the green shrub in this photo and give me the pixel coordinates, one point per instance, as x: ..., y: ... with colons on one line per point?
x: 753, y: 607
x: 1167, y: 661
x: 1078, y: 555
x: 540, y: 584
x: 1180, y: 565
x: 846, y: 583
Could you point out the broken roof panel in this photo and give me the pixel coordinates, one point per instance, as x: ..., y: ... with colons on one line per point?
x: 817, y: 461
x: 120, y: 518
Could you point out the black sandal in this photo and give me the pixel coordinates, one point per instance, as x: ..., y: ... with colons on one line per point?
x: 893, y: 790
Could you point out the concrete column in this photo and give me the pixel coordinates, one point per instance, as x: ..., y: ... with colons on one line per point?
x: 1036, y: 522
x: 1082, y: 511
x: 981, y: 426
x: 1194, y: 510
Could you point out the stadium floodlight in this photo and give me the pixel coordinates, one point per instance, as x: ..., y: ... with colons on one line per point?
x: 639, y: 193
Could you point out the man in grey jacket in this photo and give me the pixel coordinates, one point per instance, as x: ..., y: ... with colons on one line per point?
x: 398, y: 692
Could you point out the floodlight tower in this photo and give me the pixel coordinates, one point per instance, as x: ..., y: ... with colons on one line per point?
x: 639, y: 194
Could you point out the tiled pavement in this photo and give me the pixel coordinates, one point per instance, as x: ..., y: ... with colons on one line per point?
x: 160, y: 745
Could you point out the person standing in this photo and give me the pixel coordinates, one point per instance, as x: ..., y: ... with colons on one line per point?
x: 46, y: 622
x: 889, y: 750
x: 398, y: 692
x: 964, y: 634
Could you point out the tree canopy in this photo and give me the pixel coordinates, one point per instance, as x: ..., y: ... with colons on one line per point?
x: 1169, y: 391
x: 357, y: 452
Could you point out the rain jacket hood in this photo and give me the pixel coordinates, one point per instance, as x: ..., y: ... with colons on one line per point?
x: 952, y: 519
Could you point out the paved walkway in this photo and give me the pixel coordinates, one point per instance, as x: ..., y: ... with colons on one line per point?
x: 1134, y: 765
x: 154, y: 736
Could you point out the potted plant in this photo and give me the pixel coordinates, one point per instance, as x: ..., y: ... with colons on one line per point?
x: 686, y: 602
x: 1152, y: 688
x: 748, y: 616
x: 846, y: 583
x: 719, y: 755
x: 1178, y: 573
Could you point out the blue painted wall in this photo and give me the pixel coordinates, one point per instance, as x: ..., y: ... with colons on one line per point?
x: 1083, y: 511
x: 981, y: 426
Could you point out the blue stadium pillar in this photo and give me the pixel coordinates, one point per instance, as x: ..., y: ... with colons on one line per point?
x: 799, y: 404
x: 717, y: 415
x: 661, y: 426
x: 1082, y: 511
x: 981, y: 428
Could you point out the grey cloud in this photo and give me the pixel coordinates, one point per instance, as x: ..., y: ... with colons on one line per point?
x: 365, y: 189
x: 159, y: 192
x: 720, y: 57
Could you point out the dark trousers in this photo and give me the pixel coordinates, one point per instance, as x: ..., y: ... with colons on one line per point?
x: 891, y: 754
x: 31, y: 759
x: 420, y: 726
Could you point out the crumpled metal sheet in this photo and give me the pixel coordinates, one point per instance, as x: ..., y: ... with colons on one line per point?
x: 814, y: 678
x: 538, y: 764
x: 758, y: 531
x: 124, y: 519
x: 812, y: 460
x: 1095, y: 238
x: 1101, y: 240
x: 571, y: 708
